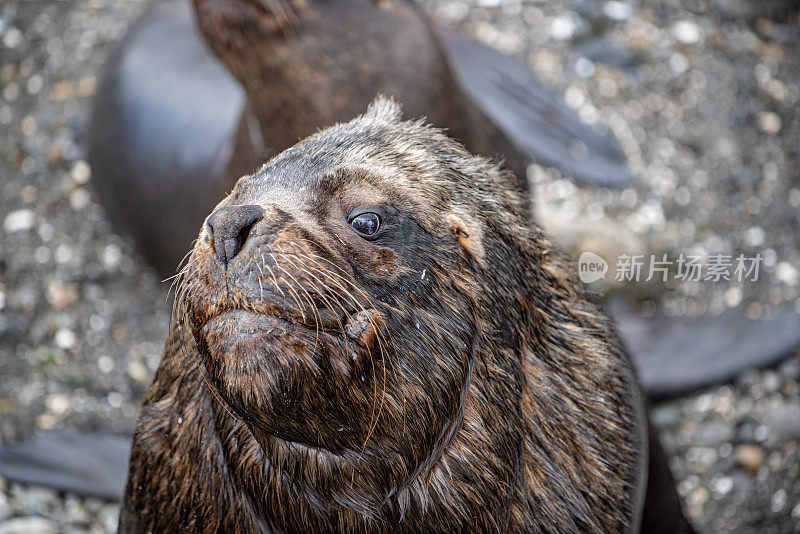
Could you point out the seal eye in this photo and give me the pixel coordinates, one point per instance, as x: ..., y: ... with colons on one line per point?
x: 366, y: 224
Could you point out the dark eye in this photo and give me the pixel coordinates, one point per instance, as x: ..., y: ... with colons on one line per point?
x: 366, y: 224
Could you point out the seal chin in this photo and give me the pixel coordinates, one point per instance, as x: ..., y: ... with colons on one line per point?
x: 289, y: 379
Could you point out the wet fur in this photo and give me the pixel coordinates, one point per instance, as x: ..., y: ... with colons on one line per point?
x: 487, y: 393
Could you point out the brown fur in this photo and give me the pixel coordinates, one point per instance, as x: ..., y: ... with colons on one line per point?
x: 451, y: 376
x: 306, y: 64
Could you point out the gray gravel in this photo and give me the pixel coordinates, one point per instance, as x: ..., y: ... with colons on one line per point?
x: 706, y: 110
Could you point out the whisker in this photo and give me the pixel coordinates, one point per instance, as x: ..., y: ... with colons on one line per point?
x: 274, y: 279
x: 294, y: 293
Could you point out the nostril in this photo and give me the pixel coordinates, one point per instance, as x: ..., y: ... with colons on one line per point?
x: 230, y: 227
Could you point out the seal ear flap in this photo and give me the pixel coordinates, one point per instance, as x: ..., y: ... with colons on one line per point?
x: 467, y: 231
x: 384, y: 109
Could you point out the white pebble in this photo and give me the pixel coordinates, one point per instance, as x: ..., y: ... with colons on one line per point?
x: 138, y: 371
x: 769, y: 122
x: 584, y: 67
x: 28, y: 525
x: 79, y: 199
x: 722, y: 486
x: 12, y: 38
x: 778, y: 501
x: 678, y: 63
x: 786, y: 273
x: 796, y: 512
x: 563, y: 28
x: 686, y: 32
x: 112, y: 255
x: 617, y: 10
x: 65, y: 339
x: 733, y: 297
x: 18, y: 221
x: 35, y: 84
x: 63, y: 253
x: 81, y: 172
x: 115, y: 399
x: 754, y: 236
x: 105, y: 364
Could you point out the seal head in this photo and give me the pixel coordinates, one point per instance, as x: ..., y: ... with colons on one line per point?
x: 398, y: 348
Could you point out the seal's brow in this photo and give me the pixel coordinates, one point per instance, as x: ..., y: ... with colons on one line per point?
x: 335, y: 180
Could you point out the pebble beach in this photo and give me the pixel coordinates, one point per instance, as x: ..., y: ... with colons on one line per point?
x: 702, y: 98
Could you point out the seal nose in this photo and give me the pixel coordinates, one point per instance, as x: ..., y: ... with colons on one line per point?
x: 230, y: 227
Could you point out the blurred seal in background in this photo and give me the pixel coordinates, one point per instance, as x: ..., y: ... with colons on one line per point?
x: 172, y: 129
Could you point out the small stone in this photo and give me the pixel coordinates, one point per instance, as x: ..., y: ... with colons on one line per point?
x: 563, y: 28
x: 65, y: 339
x: 584, y: 67
x: 772, y: 382
x: 64, y: 253
x: 698, y: 497
x: 778, y: 501
x: 87, y: 86
x: 783, y: 423
x: 686, y: 32
x: 80, y: 172
x: 59, y: 404
x: 105, y: 364
x: 769, y: 122
x: 138, y: 371
x: 28, y: 525
x: 19, y: 220
x: 112, y: 255
x: 751, y: 457
x: 35, y: 84
x: 109, y: 516
x: 115, y: 399
x: 786, y: 273
x: 12, y: 38
x: 36, y: 499
x: 28, y: 194
x: 713, y: 434
x: 62, y: 90
x: 617, y: 10
x: 61, y: 295
x: 79, y: 199
x: 721, y: 486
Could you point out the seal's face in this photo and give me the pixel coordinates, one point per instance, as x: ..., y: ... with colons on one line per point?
x: 314, y: 297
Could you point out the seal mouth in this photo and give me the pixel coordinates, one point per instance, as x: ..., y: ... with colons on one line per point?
x: 240, y: 324
x: 317, y: 318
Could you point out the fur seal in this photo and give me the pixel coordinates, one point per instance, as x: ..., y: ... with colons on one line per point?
x: 371, y: 335
x: 173, y: 129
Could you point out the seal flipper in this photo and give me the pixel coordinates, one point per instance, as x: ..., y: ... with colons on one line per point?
x: 676, y: 355
x: 534, y: 119
x: 91, y: 464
